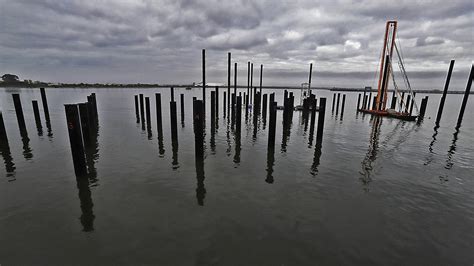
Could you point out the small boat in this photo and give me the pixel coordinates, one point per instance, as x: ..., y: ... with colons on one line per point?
x: 189, y: 88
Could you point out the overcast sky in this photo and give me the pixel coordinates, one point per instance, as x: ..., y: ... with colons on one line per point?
x: 161, y: 41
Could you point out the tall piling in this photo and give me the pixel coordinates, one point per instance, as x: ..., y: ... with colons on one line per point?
x: 272, y: 123
x: 464, y: 99
x: 19, y: 112
x: 37, y: 118
x: 343, y: 104
x: 248, y: 79
x: 148, y: 114
x: 159, y: 119
x: 204, y: 79
x: 182, y: 107
x: 321, y: 114
x: 310, y: 74
x: 443, y: 97
x: 228, y: 81
x: 45, y: 104
x: 252, y: 95
x: 261, y: 76
x: 137, y: 111
x: 217, y: 102
x: 333, y: 102
x: 75, y: 139
x: 142, y: 109
x: 358, y: 102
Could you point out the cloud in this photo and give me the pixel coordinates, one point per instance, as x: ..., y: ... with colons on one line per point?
x: 161, y: 41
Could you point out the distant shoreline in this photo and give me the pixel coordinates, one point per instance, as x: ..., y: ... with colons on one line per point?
x: 151, y: 86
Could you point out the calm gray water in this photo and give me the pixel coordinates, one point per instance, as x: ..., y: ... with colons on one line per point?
x: 375, y: 192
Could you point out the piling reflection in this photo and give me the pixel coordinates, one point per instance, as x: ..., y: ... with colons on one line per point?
x: 270, y: 163
x: 287, y: 122
x: 316, y: 158
x: 5, y: 151
x: 174, y: 149
x: 430, y: 147
x: 198, y: 122
x: 229, y: 145
x: 452, y: 150
x: 161, y: 148
x: 371, y: 156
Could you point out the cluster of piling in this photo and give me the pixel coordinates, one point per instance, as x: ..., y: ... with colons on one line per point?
x: 82, y: 123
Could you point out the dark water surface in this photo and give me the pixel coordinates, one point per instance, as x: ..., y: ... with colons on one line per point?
x: 374, y: 192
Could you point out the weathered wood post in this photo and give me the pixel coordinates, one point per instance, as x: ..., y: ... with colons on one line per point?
x: 424, y: 102
x: 443, y: 97
x: 264, y: 108
x: 182, y: 108
x: 204, y: 79
x: 213, y: 111
x: 173, y: 119
x: 75, y: 139
x: 159, y: 123
x: 337, y: 105
x: 137, y: 112
x: 358, y: 102
x: 142, y: 109
x: 148, y: 114
x: 343, y: 104
x: 225, y: 101
x: 217, y: 102
x: 310, y: 74
x: 322, y: 112
x: 45, y: 104
x: 19, y: 113
x: 235, y: 81
x: 313, y: 117
x: 272, y: 122
x: 464, y: 99
x: 248, y: 78
x: 86, y: 125
x: 37, y: 118
x: 261, y: 75
x: 228, y: 81
x: 252, y: 95
x: 333, y: 102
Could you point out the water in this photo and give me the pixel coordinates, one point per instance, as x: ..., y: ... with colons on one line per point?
x: 374, y: 192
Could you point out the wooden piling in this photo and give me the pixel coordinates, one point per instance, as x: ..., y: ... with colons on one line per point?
x: 228, y: 81
x: 142, y: 109
x: 137, y: 112
x: 264, y: 108
x: 159, y: 119
x: 235, y: 80
x: 248, y: 78
x: 313, y: 116
x: 321, y: 114
x: 261, y: 75
x: 333, y: 102
x: 217, y: 102
x: 343, y: 104
x: 394, y: 101
x: 337, y: 105
x: 204, y: 78
x: 272, y: 123
x: 85, y: 123
x: 424, y: 102
x: 224, y: 109
x: 148, y: 114
x: 37, y: 116
x: 213, y: 109
x: 464, y: 99
x: 182, y: 107
x: 238, y: 115
x: 174, y: 121
x: 75, y: 139
x: 443, y: 97
x: 310, y: 74
x: 19, y: 112
x: 358, y: 102
x: 45, y: 104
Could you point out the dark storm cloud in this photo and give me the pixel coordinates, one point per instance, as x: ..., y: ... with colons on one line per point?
x: 160, y: 41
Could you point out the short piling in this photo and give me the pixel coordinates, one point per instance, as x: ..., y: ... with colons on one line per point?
x: 272, y: 123
x: 358, y: 102
x: 337, y: 105
x: 423, y: 104
x: 224, y: 106
x: 264, y: 108
x: 75, y: 139
x: 174, y: 121
x: 85, y: 122
x: 148, y: 114
x: 321, y: 114
x: 333, y: 102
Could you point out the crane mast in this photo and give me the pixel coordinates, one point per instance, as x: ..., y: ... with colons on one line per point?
x: 385, y: 65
